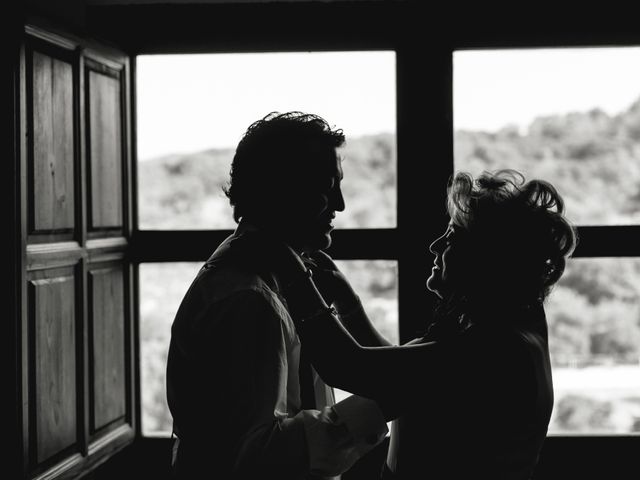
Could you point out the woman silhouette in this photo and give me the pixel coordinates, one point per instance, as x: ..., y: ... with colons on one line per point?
x: 474, y: 395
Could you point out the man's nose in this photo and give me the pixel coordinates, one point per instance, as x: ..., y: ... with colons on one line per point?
x: 338, y: 201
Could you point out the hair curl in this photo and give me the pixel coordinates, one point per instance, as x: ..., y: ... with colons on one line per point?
x: 519, y: 236
x: 270, y: 153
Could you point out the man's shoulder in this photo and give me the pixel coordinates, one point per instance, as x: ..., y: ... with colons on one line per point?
x: 220, y: 282
x: 219, y: 296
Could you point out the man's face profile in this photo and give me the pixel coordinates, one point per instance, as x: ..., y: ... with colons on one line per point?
x: 313, y: 200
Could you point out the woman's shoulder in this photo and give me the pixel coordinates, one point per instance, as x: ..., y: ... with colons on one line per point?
x: 512, y: 321
x: 515, y: 335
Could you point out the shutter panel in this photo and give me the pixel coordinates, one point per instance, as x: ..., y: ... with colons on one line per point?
x: 77, y: 392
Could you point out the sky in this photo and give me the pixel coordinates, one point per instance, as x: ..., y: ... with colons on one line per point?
x: 493, y: 88
x: 193, y: 102
x: 188, y: 103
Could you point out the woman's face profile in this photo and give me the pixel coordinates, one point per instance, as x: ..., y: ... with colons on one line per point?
x: 445, y: 273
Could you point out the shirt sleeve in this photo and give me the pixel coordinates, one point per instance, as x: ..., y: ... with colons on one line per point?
x: 270, y: 442
x: 338, y: 436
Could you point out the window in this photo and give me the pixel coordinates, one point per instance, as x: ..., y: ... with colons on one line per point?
x: 572, y: 117
x: 587, y: 151
x: 162, y: 286
x: 192, y: 111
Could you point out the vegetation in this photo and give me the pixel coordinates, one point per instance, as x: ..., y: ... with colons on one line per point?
x: 592, y: 158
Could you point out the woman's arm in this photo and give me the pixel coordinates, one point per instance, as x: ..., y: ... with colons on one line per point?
x: 358, y: 324
x: 335, y: 288
x: 390, y: 374
x: 371, y: 372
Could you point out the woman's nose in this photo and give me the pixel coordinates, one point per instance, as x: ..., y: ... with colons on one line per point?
x: 435, y: 246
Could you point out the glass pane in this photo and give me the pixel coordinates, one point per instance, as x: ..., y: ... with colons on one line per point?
x: 569, y: 116
x: 162, y: 286
x: 376, y: 282
x: 594, y: 337
x: 193, y: 109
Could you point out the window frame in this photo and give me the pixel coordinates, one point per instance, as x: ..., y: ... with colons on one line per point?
x: 594, y: 241
x: 424, y: 104
x: 575, y: 455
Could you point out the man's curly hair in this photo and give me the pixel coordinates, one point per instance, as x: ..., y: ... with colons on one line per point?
x: 271, y: 153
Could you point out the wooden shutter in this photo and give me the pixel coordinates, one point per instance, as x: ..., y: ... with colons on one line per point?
x: 76, y: 380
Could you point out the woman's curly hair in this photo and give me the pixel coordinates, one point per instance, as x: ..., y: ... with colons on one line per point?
x: 518, y: 235
x: 271, y: 154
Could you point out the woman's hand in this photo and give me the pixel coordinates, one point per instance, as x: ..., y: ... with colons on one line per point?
x: 331, y: 282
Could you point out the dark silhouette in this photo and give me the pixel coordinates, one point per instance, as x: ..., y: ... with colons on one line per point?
x: 244, y: 401
x: 474, y: 395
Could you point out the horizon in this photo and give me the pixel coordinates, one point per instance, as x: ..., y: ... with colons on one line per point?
x: 496, y: 88
x: 522, y: 132
x: 202, y: 101
x: 179, y: 96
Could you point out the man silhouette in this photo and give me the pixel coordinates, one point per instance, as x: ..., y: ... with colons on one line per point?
x: 245, y: 402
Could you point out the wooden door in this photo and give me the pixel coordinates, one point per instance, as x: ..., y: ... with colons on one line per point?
x: 76, y: 392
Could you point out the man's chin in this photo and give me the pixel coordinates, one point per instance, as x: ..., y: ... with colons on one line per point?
x: 324, y: 241
x: 318, y: 242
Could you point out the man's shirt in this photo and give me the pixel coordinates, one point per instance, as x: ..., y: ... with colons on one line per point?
x: 233, y: 384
